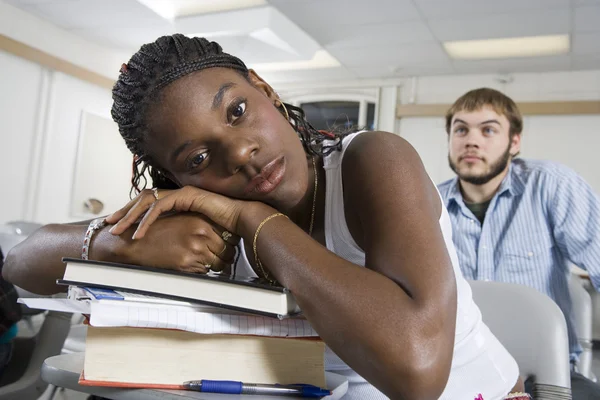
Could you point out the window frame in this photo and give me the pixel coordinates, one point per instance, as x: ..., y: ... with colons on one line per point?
x: 362, y: 99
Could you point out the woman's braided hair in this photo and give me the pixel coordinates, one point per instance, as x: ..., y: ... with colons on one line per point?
x: 160, y: 63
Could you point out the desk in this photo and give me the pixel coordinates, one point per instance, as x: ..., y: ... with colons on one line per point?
x: 64, y: 370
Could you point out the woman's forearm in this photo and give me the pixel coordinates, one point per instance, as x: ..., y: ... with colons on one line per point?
x: 402, y: 346
x: 36, y: 263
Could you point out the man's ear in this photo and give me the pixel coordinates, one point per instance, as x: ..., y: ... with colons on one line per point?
x: 261, y: 85
x: 515, y: 144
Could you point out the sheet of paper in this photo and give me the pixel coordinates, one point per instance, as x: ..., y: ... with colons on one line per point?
x: 63, y: 305
x: 123, y: 313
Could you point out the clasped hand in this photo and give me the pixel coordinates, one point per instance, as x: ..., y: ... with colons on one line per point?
x: 205, y: 222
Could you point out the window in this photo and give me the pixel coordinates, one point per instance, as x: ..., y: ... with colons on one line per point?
x: 341, y: 112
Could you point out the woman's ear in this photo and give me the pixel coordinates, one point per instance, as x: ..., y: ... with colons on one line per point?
x: 261, y: 85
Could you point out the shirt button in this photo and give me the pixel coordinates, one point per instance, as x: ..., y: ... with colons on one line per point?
x: 530, y: 254
x: 484, y: 247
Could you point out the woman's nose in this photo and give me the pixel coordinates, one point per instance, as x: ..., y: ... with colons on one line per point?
x: 239, y: 153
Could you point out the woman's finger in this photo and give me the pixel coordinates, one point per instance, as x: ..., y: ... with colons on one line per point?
x: 133, y: 215
x: 156, y: 209
x: 230, y: 238
x: 195, y: 268
x: 117, y: 215
x: 227, y: 254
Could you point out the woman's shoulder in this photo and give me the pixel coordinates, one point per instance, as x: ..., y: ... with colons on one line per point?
x: 373, y: 147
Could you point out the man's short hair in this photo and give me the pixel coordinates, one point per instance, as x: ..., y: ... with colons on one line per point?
x: 478, y: 98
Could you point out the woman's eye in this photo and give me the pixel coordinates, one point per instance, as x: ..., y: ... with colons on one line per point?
x: 488, y: 131
x: 460, y: 130
x: 196, y: 160
x: 237, y: 111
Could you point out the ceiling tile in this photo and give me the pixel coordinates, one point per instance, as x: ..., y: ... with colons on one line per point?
x: 315, y: 75
x: 586, y: 62
x: 129, y: 38
x: 444, y: 9
x: 586, y: 43
x: 532, y: 64
x: 412, y: 54
x: 70, y: 14
x: 585, y: 2
x: 317, y: 17
x: 374, y: 34
x: 21, y: 3
x: 587, y: 19
x: 546, y: 22
x: 377, y: 72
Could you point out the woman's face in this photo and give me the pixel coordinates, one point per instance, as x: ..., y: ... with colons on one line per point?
x: 216, y: 130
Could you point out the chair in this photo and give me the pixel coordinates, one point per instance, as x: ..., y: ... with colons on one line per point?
x: 582, y: 313
x: 29, y: 355
x: 533, y: 329
x: 24, y: 228
x: 22, y: 376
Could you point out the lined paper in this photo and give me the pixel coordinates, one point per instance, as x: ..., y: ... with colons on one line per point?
x: 193, y: 319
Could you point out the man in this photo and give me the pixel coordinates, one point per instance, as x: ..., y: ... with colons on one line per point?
x: 517, y: 220
x: 10, y: 314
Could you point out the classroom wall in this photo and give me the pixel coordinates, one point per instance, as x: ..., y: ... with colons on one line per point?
x: 41, y: 110
x: 573, y: 140
x: 40, y: 116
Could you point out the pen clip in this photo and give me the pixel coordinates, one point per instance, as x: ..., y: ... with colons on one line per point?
x: 309, y: 390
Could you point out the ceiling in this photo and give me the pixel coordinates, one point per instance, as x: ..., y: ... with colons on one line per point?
x: 368, y: 38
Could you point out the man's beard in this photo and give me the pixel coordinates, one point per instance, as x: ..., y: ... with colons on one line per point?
x: 495, y: 169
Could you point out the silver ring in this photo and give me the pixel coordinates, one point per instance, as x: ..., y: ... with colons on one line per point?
x: 155, y: 192
x: 226, y: 235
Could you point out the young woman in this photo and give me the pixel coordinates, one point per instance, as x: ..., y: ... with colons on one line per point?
x: 350, y: 223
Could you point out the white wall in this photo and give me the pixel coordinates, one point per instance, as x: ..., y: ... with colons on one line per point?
x: 40, y: 116
x: 572, y: 140
x: 19, y: 104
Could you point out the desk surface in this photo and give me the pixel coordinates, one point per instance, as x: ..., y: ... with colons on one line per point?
x: 64, y: 371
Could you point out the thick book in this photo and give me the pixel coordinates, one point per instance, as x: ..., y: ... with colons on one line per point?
x: 136, y: 357
x: 241, y: 294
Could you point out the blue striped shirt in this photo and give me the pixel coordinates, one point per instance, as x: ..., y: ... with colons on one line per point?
x: 542, y: 216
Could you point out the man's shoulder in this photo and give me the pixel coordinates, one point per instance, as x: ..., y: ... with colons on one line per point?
x: 540, y: 169
x: 445, y: 187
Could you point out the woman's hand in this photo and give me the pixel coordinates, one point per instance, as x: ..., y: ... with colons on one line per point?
x: 220, y: 209
x: 187, y: 242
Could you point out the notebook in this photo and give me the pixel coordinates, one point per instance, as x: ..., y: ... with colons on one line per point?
x: 243, y: 294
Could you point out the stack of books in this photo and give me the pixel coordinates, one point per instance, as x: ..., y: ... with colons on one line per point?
x: 157, y: 328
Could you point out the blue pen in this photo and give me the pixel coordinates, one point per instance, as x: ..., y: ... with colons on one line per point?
x: 234, y: 387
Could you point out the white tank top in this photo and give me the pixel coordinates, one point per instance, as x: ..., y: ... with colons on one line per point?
x: 480, y: 364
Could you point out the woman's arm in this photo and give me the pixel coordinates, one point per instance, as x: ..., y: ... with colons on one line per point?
x: 392, y: 322
x: 36, y: 263
x: 183, y: 241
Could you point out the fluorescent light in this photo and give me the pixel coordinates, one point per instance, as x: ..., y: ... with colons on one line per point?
x: 321, y: 59
x: 530, y: 46
x: 170, y: 9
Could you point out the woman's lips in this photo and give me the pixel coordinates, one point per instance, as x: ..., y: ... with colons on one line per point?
x: 269, y: 178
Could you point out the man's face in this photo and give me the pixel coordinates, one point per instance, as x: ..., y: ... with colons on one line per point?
x: 480, y: 146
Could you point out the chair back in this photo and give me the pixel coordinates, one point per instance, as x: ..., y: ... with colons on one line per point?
x: 533, y: 329
x: 582, y: 313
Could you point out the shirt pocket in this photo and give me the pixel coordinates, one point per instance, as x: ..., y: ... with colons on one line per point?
x: 522, y: 253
